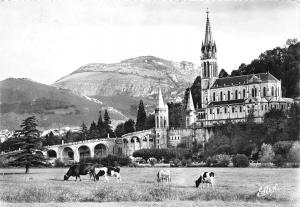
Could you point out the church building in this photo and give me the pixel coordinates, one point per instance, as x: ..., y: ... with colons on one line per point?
x: 223, y: 99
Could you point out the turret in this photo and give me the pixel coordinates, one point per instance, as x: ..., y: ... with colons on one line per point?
x: 190, y: 117
x: 161, y: 113
x: 161, y: 122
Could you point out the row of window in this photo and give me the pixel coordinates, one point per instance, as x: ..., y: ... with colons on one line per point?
x: 162, y: 123
x: 242, y: 95
x: 174, y: 138
x: 240, y: 108
x: 209, y: 69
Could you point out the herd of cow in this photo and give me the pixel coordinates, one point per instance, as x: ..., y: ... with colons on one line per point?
x: 163, y: 175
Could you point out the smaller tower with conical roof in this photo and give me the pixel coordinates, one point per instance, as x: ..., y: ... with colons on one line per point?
x: 190, y: 111
x: 161, y: 122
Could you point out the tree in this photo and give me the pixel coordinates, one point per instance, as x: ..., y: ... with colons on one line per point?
x: 294, y: 153
x: 50, y: 139
x: 102, y: 129
x: 129, y: 126
x: 266, y: 154
x: 176, y: 115
x: 69, y: 137
x: 93, y: 131
x: 29, y: 142
x: 141, y: 117
x: 283, y: 63
x: 106, y: 118
x: 119, y: 131
x: 150, y: 121
x: 223, y: 73
x: 196, y: 93
x: 274, y: 121
x: 293, y: 122
x: 84, y: 131
x: 107, y: 123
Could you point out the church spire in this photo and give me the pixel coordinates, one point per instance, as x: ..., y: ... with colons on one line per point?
x: 208, y: 35
x: 209, y: 53
x: 190, y: 103
x: 160, y: 101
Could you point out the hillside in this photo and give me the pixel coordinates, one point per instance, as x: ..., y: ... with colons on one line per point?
x: 136, y: 77
x: 54, y: 107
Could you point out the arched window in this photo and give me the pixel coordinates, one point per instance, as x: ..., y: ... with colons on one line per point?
x: 157, y: 122
x: 208, y: 74
x: 272, y: 91
x: 161, y: 122
x: 214, y: 96
x: 244, y: 93
x: 221, y: 96
x: 228, y: 94
x: 253, y: 92
x: 275, y: 91
x: 236, y: 94
x: 264, y: 92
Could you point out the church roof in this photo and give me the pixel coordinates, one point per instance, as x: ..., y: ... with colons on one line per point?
x: 243, y: 80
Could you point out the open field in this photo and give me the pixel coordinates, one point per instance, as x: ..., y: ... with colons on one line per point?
x: 234, y: 187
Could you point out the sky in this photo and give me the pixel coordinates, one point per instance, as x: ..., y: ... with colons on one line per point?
x: 46, y: 40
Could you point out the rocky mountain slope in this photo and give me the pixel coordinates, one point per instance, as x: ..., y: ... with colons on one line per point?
x: 54, y: 108
x: 131, y: 80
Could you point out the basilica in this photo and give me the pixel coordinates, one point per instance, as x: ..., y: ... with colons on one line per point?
x: 223, y: 99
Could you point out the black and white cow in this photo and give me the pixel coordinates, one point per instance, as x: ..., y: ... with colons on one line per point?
x: 108, y: 171
x: 80, y: 169
x: 206, y: 177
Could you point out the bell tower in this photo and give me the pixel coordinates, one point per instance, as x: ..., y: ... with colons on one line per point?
x: 208, y: 60
x: 161, y: 122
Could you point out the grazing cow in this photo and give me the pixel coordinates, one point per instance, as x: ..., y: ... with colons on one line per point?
x: 111, y: 171
x: 80, y: 169
x: 163, y: 175
x: 206, y: 177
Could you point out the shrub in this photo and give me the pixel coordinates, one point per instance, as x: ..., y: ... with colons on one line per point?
x: 166, y: 154
x: 59, y: 163
x: 279, y: 160
x: 222, y: 160
x: 282, y: 147
x: 294, y: 153
x: 152, y: 161
x: 176, y: 162
x: 112, y: 160
x: 209, y: 161
x: 184, y: 162
x: 266, y: 154
x: 240, y: 160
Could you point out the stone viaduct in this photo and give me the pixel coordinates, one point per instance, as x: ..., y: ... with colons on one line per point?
x: 98, y: 148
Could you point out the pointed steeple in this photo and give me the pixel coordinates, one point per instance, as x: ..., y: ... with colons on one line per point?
x: 208, y: 35
x: 190, y: 103
x: 160, y: 101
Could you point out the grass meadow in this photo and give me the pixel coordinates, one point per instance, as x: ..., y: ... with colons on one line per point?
x: 234, y: 187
